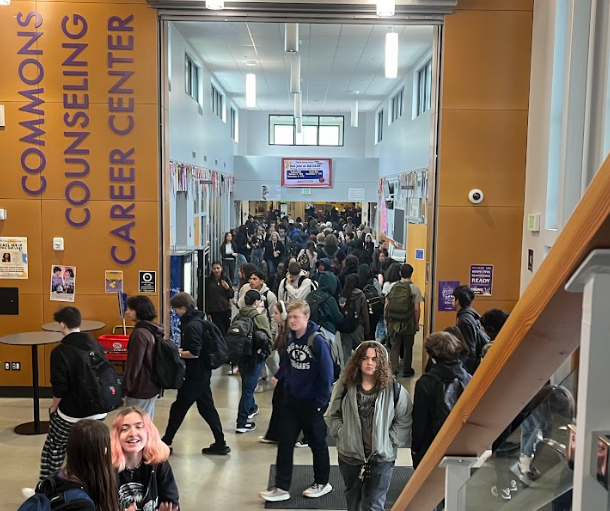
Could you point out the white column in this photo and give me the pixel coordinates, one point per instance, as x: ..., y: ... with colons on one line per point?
x: 457, y: 473
x: 593, y: 410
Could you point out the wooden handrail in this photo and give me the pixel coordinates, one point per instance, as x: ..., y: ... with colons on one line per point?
x: 541, y: 333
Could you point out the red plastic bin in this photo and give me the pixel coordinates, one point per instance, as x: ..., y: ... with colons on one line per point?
x: 115, y: 346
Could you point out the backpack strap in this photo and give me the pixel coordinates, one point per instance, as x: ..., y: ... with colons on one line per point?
x: 397, y: 387
x: 311, y: 339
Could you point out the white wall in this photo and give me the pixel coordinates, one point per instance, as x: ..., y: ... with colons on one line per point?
x: 406, y: 142
x: 251, y: 172
x: 255, y: 124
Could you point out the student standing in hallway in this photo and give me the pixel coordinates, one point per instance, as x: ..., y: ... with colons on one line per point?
x: 196, y: 386
x: 218, y: 295
x: 228, y: 254
x: 308, y: 377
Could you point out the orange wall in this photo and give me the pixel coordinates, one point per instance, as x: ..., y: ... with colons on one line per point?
x: 42, y: 216
x: 483, y: 134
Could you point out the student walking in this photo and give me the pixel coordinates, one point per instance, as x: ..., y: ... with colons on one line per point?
x: 218, y: 295
x: 196, y: 387
x: 371, y: 416
x: 308, y: 377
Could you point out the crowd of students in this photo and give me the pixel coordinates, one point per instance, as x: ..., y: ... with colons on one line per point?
x: 338, y: 314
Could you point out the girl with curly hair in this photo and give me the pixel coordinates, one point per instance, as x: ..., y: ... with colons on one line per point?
x: 370, y: 414
x: 145, y: 478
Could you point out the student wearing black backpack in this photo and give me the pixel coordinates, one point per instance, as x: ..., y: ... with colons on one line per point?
x: 370, y: 414
x: 371, y: 288
x: 469, y: 323
x: 74, y: 397
x: 437, y: 391
x: 138, y: 385
x: 196, y: 387
x: 355, y: 324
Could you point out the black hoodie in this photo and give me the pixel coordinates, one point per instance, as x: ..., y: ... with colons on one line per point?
x: 468, y: 321
x: 424, y: 403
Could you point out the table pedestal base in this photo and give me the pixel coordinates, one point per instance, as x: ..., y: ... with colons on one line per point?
x: 29, y: 428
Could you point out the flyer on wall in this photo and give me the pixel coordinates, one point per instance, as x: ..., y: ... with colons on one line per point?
x: 14, y: 261
x: 114, y: 281
x: 63, y: 283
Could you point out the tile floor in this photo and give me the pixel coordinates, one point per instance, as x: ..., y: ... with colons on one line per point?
x: 213, y: 483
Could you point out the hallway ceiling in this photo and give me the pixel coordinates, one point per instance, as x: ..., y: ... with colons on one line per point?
x: 339, y: 63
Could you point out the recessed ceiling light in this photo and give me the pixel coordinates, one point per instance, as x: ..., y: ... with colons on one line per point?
x: 251, y: 62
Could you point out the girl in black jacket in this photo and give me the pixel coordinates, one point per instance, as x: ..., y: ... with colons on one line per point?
x: 218, y: 295
x: 228, y: 256
x: 274, y: 253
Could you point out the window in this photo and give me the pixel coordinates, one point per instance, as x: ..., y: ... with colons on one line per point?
x: 379, y: 127
x: 217, y: 103
x: 234, y: 125
x: 191, y: 78
x: 318, y: 130
x: 424, y: 89
x: 397, y: 102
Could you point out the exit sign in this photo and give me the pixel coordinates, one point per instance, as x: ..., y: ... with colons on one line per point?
x: 306, y: 191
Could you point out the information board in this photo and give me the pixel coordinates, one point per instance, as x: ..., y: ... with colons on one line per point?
x: 307, y: 173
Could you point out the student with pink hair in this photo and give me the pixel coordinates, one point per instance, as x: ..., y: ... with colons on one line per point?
x: 145, y: 477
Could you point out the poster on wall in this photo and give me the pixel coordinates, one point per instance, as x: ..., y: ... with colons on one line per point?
x: 384, y: 219
x: 271, y: 192
x: 445, y: 295
x: 63, y: 283
x: 307, y: 173
x: 355, y: 194
x: 481, y: 279
x: 114, y: 281
x: 14, y: 262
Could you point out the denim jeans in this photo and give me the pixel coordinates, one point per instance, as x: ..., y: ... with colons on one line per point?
x: 249, y: 373
x: 241, y: 259
x: 271, y: 267
x: 350, y: 342
x: 257, y: 256
x: 370, y: 494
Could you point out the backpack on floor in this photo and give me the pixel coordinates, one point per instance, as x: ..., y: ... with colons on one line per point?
x: 47, y: 498
x: 447, y: 395
x: 334, y: 351
x: 240, y: 340
x: 401, y: 306
x: 170, y: 369
x: 315, y: 300
x: 351, y: 319
x: 373, y: 300
x: 99, y: 390
x: 216, y: 350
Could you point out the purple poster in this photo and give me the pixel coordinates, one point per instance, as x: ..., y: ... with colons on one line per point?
x: 445, y: 295
x: 481, y: 279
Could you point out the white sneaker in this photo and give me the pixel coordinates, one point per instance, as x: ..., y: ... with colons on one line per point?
x: 317, y: 490
x: 274, y: 495
x: 300, y: 444
x: 264, y: 440
x: 28, y: 492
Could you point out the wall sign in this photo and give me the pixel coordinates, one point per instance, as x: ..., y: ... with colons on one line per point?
x: 63, y: 283
x: 13, y: 258
x: 445, y: 295
x: 530, y: 260
x: 270, y: 192
x: 481, y: 279
x: 419, y: 254
x: 355, y: 194
x: 114, y: 281
x: 307, y: 173
x: 147, y: 282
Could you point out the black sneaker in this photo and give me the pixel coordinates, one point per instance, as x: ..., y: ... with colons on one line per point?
x: 218, y: 449
x: 171, y: 450
x: 249, y: 426
x: 252, y: 414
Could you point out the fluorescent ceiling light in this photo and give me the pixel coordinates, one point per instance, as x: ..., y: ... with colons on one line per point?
x: 295, y: 75
x: 291, y: 37
x: 391, y: 55
x: 5, y: 2
x: 386, y: 7
x: 354, y: 117
x: 215, y: 5
x: 298, y: 106
x: 251, y: 90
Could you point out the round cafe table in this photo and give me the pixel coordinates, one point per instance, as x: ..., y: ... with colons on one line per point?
x: 86, y: 326
x: 33, y: 339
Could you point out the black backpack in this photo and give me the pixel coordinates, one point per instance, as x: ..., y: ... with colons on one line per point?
x: 240, y: 340
x: 350, y: 322
x: 373, y: 300
x: 447, y: 394
x: 47, y: 498
x: 315, y: 300
x: 99, y: 390
x: 170, y: 369
x: 215, y: 347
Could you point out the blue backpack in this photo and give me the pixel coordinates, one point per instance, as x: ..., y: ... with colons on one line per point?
x: 47, y: 498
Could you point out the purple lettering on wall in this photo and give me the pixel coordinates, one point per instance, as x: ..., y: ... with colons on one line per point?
x: 76, y: 119
x: 121, y: 121
x: 31, y: 72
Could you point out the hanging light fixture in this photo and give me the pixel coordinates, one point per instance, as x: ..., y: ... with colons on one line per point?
x: 386, y: 7
x: 295, y: 75
x: 291, y: 37
x: 5, y: 2
x: 354, y: 118
x: 298, y: 105
x: 391, y: 55
x: 298, y: 121
x: 215, y: 5
x: 251, y: 90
